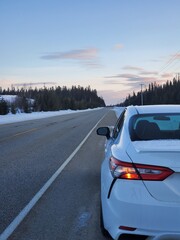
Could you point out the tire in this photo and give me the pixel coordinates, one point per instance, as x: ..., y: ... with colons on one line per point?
x: 104, y: 232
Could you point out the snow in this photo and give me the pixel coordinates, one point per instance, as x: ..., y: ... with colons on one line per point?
x: 8, y: 98
x: 157, y: 146
x: 20, y: 117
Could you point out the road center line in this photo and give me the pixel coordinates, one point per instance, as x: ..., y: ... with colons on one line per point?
x: 18, y: 134
x: 19, y: 218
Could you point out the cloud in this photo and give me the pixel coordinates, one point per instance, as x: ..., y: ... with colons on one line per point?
x: 79, y: 54
x: 143, y: 79
x: 118, y: 46
x: 132, y: 68
x: 178, y: 56
x: 133, y: 80
x: 130, y: 81
x: 167, y: 76
x: 155, y: 60
x: 88, y: 57
x: 125, y: 75
x: 114, y: 82
x: 141, y: 71
x: 148, y: 73
x: 92, y: 64
x: 141, y: 76
x: 175, y: 56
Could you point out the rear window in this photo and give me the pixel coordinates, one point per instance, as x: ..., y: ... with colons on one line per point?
x: 154, y: 126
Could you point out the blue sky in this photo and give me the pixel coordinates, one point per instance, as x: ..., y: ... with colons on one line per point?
x: 111, y: 45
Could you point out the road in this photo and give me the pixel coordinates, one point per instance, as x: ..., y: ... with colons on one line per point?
x: 31, y: 152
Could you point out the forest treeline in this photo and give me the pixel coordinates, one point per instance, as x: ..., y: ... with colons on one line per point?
x: 168, y: 93
x: 50, y: 99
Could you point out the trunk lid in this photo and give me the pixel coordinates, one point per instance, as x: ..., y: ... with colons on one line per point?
x: 165, y: 153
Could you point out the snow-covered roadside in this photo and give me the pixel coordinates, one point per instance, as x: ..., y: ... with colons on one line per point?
x: 20, y: 117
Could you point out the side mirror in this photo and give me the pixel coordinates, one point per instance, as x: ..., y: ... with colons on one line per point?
x: 103, y: 131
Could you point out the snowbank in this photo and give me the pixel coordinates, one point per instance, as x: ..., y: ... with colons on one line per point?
x: 20, y: 117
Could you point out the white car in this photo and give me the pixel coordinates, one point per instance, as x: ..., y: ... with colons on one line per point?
x: 140, y: 175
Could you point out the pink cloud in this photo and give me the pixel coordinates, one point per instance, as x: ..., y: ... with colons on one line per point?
x: 167, y: 76
x: 132, y: 68
x: 175, y: 56
x: 148, y: 73
x: 79, y: 54
x: 118, y: 46
x: 125, y: 75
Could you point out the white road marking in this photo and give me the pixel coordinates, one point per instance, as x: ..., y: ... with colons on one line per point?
x: 19, y: 218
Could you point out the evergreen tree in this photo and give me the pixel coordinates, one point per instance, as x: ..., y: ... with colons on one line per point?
x: 168, y: 93
x: 4, y: 109
x: 53, y: 99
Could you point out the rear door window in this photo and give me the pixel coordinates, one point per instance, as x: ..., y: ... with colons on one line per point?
x: 155, y: 126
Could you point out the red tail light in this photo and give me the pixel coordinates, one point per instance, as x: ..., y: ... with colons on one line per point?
x: 133, y: 171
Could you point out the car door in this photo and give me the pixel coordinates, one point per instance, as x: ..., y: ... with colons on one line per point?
x: 106, y: 177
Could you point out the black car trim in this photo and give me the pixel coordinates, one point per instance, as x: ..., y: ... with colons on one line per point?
x: 110, y: 189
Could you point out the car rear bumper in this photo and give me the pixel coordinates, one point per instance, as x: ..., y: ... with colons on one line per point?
x: 136, y: 208
x: 167, y: 236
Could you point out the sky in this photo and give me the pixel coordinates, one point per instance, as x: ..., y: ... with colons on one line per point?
x: 113, y: 46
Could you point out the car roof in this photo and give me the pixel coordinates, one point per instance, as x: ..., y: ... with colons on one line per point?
x: 145, y: 109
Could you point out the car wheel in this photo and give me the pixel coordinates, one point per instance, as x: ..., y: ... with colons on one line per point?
x: 103, y: 230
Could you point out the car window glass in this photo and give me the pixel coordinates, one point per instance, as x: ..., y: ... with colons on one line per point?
x: 155, y: 126
x: 118, y: 125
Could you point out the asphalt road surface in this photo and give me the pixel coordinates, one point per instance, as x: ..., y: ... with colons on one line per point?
x: 30, y: 153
